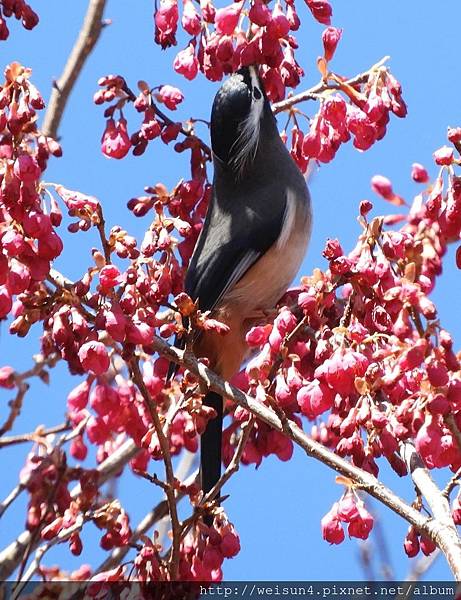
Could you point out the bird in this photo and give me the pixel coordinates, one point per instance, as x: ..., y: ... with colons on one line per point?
x: 253, y: 240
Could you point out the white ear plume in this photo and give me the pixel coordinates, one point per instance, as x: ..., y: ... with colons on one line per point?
x: 246, y: 145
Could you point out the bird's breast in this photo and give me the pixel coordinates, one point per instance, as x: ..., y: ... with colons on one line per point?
x: 269, y: 278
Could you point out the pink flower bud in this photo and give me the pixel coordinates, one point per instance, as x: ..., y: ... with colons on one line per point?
x: 454, y: 135
x: 212, y: 558
x: 283, y: 393
x: 26, y: 168
x: 109, y: 277
x: 97, y: 430
x: 6, y: 302
x: 419, y: 173
x: 382, y: 186
x: 93, y: 357
x: 427, y: 545
x: 77, y: 398
x: 443, y: 156
x: 437, y: 373
x: 428, y: 441
x: 315, y: 398
x: 190, y: 18
x: 186, y: 63
x: 341, y: 370
x: 330, y: 39
x: 332, y: 249
x: 50, y: 246
x: 170, y: 96
x: 226, y: 18
x: 347, y: 508
x: 18, y: 277
x: 365, y: 207
x: 115, y: 141
x: 332, y: 530
x: 411, y: 543
x: 166, y: 23
x: 307, y: 302
x: 7, y: 378
x: 259, y: 13
x: 13, y: 243
x: 257, y: 336
x: 279, y: 26
x: 361, y: 526
x: 104, y: 399
x: 321, y: 10
x: 78, y: 449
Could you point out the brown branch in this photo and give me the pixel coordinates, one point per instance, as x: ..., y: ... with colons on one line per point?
x: 22, y: 386
x: 314, y: 92
x: 34, y: 435
x: 446, y: 538
x: 101, y: 227
x: 87, y: 38
x: 165, y: 448
x: 440, y: 532
x: 15, y: 408
x: 452, y: 483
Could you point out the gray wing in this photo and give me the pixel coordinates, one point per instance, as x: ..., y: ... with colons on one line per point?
x: 238, y: 230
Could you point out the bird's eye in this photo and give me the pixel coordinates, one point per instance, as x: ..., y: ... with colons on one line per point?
x: 256, y: 93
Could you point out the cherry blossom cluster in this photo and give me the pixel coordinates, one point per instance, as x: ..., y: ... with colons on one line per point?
x: 349, y: 510
x: 359, y: 111
x: 28, y: 240
x: 224, y: 39
x: 18, y: 9
x: 116, y: 141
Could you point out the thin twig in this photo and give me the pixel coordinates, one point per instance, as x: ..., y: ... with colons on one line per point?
x: 232, y: 468
x: 87, y: 38
x: 20, y: 380
x: 165, y: 448
x: 314, y: 92
x: 452, y: 483
x: 234, y: 464
x: 33, y: 436
x: 101, y: 227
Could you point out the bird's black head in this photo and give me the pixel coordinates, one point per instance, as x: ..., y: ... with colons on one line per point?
x: 238, y: 109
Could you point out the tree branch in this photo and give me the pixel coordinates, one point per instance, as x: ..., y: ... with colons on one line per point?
x: 446, y: 535
x: 87, y: 38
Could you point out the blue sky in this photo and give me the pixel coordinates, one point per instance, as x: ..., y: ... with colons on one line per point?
x: 277, y: 508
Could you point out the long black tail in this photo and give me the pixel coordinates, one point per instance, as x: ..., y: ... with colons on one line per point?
x: 210, y: 454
